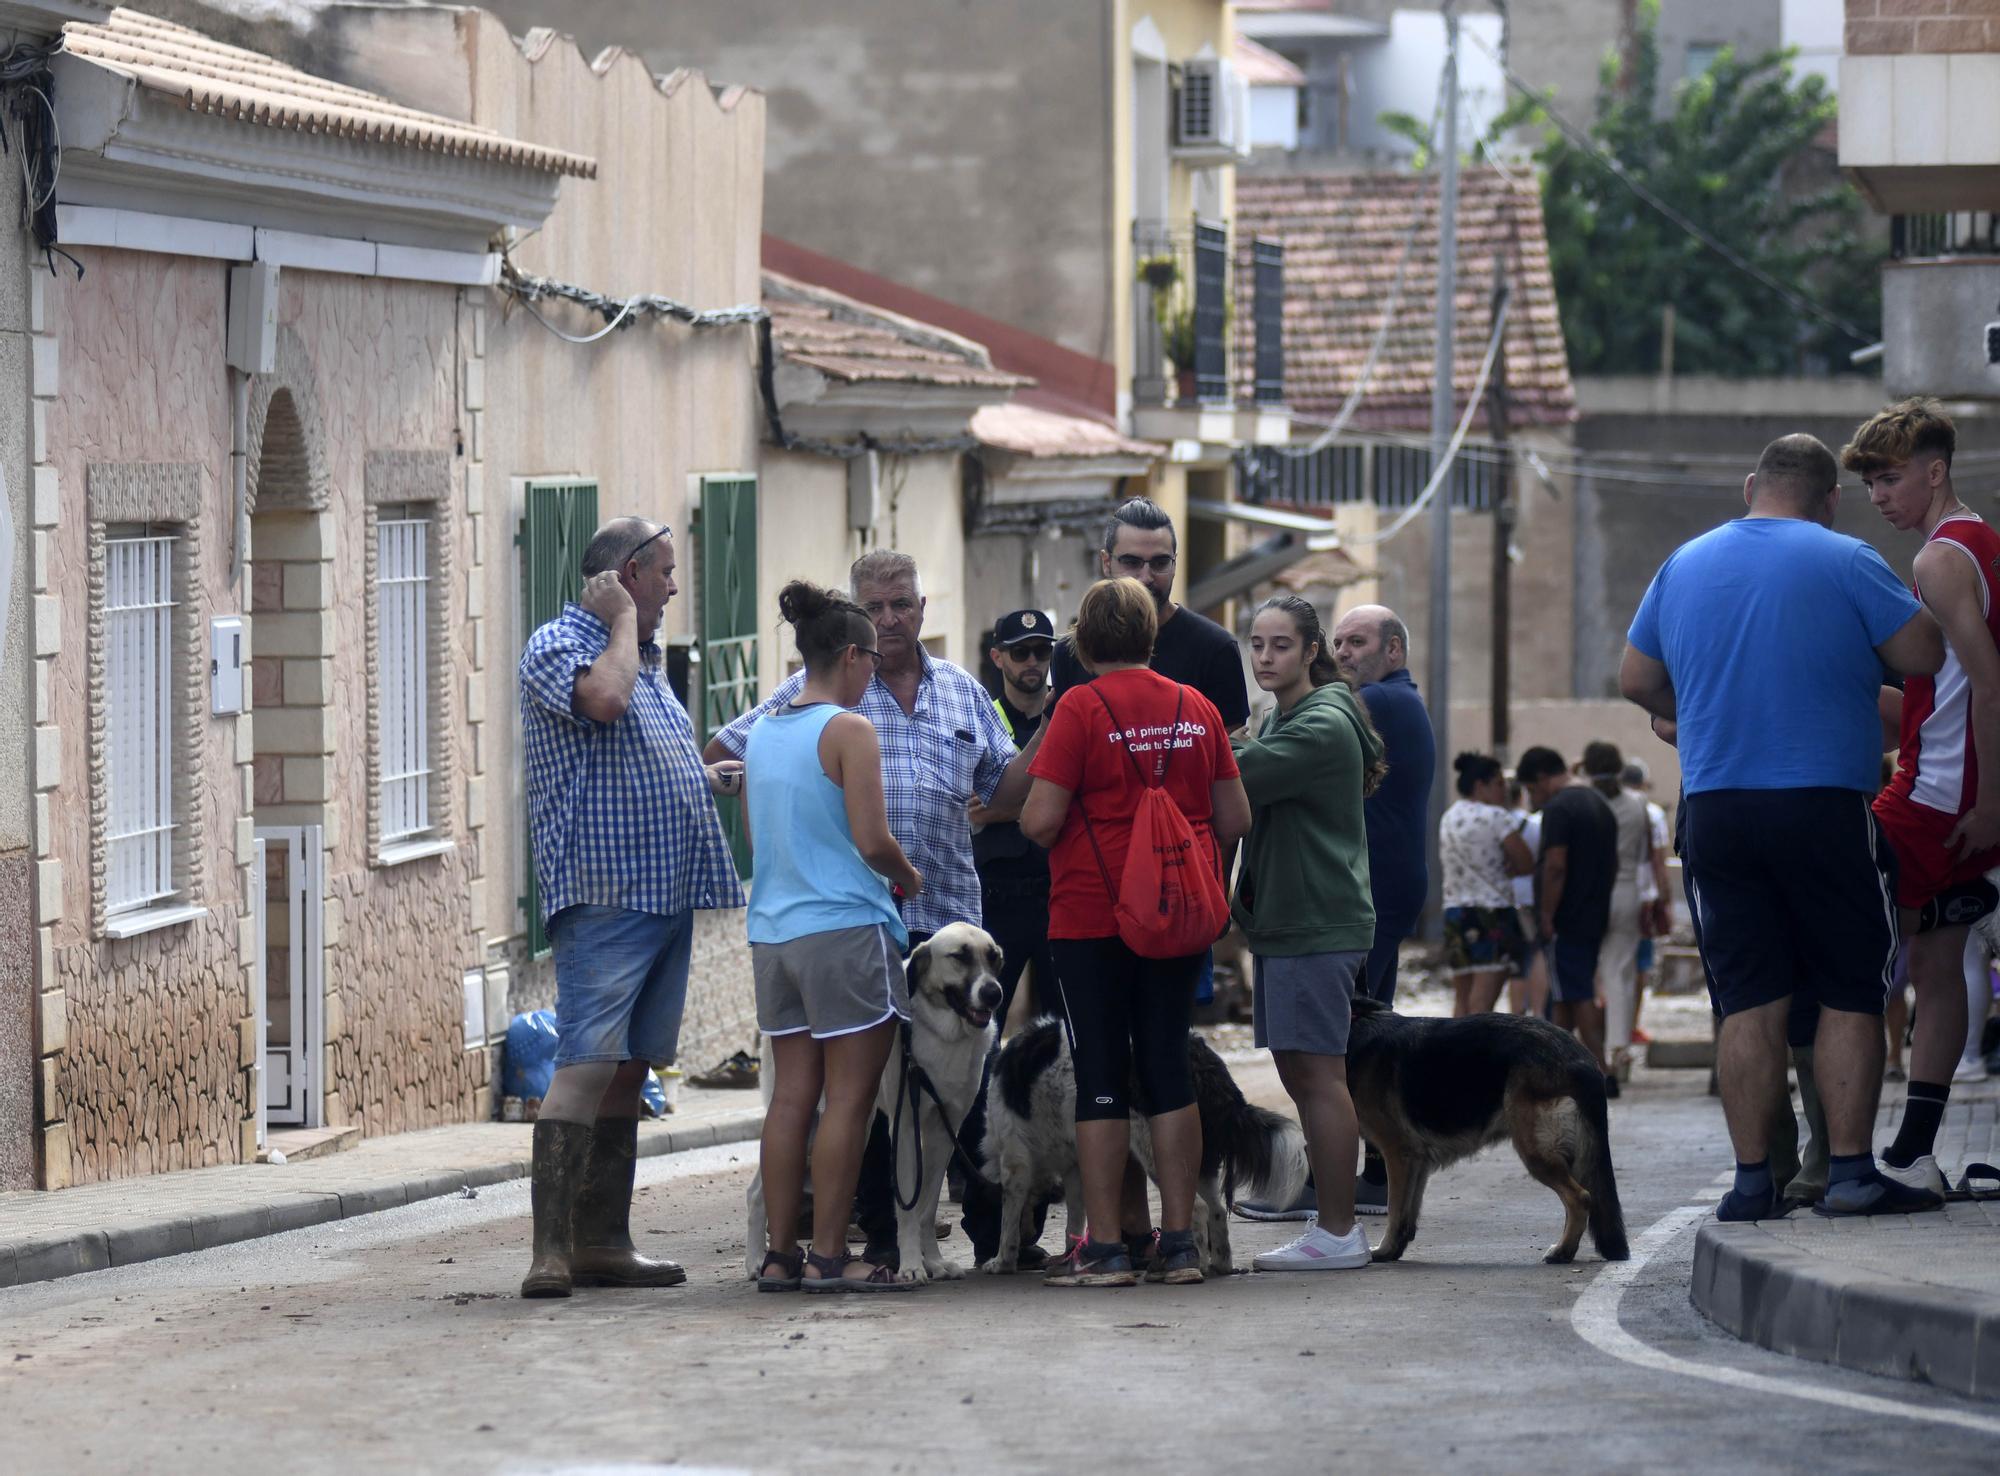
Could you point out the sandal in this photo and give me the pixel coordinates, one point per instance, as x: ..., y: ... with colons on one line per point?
x: 791, y: 1266
x: 833, y: 1276
x: 1976, y: 1171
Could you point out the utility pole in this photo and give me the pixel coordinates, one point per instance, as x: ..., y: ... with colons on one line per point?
x: 1504, y: 512
x: 1443, y: 406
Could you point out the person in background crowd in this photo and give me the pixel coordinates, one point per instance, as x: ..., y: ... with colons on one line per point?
x: 1481, y: 852
x: 1762, y: 646
x: 1578, y: 869
x: 1618, y: 961
x: 1941, y: 811
x: 1013, y: 870
x: 1528, y: 991
x: 1656, y: 908
x: 610, y: 759
x: 1126, y: 1016
x: 1302, y: 902
x: 826, y: 940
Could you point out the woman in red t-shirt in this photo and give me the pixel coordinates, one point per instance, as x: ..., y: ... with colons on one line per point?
x: 1128, y: 1016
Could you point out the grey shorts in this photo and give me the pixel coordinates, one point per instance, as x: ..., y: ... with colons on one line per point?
x: 829, y: 983
x: 1306, y: 1003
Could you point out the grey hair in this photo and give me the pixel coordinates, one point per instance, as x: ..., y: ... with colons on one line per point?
x: 611, y: 545
x: 883, y: 566
x: 1393, y: 629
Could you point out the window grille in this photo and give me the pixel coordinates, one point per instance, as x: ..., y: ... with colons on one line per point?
x: 402, y: 593
x: 139, y: 711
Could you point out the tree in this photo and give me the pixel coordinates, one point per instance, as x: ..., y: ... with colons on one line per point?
x: 1739, y: 155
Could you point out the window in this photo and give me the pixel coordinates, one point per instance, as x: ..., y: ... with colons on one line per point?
x: 727, y: 527
x: 139, y: 717
x: 1701, y: 55
x: 402, y: 593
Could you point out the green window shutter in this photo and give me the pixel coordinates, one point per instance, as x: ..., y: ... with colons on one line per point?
x: 728, y: 532
x: 560, y: 517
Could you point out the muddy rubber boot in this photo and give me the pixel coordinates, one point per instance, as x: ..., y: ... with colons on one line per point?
x: 605, y: 1255
x: 561, y: 1149
x: 1808, y: 1186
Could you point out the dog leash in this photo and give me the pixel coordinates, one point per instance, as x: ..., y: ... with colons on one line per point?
x: 915, y: 1081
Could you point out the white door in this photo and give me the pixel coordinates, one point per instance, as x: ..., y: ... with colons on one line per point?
x: 257, y: 991
x: 292, y: 1032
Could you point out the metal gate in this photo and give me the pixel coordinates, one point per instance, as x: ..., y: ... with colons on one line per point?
x: 292, y: 1066
x: 556, y: 526
x: 728, y: 529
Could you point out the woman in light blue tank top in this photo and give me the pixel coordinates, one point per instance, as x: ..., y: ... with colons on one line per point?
x: 826, y: 939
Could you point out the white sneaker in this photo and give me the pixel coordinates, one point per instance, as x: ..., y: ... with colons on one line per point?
x: 1969, y: 1071
x: 1318, y: 1250
x: 1923, y: 1173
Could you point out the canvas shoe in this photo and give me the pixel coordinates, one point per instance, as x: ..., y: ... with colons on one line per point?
x: 1970, y: 1071
x: 1318, y: 1250
x: 1923, y: 1173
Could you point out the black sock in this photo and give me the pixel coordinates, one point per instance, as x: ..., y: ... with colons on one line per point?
x: 1921, y: 1115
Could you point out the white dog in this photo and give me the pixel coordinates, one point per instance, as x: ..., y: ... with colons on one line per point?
x: 954, y: 987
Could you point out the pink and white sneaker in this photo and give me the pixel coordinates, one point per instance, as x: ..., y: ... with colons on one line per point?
x: 1318, y: 1250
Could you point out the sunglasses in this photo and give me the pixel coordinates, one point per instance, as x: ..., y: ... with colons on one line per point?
x: 640, y: 547
x: 1132, y: 563
x: 1031, y: 653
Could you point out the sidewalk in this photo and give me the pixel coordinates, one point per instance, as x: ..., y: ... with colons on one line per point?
x: 1908, y: 1296
x: 47, y: 1235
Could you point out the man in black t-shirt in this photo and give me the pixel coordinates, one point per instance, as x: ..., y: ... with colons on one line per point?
x: 1574, y: 878
x: 1139, y: 543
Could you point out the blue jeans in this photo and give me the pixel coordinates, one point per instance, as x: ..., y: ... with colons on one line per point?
x: 621, y: 983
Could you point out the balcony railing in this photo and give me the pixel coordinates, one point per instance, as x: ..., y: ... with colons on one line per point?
x: 1190, y: 339
x: 1384, y: 473
x: 1964, y: 233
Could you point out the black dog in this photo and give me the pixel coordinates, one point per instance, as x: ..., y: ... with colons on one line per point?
x: 1430, y: 1092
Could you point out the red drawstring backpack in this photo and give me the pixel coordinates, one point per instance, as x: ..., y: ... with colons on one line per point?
x: 1169, y: 903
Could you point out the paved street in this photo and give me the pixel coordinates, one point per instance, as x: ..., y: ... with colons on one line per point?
x: 395, y: 1342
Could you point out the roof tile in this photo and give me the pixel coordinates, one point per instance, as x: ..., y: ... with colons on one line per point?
x: 1343, y: 236
x: 849, y: 340
x: 250, y: 87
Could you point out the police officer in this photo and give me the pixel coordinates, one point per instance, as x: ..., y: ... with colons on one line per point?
x: 1013, y: 870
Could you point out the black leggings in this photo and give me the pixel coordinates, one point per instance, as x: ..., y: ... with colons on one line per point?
x: 1127, y: 1018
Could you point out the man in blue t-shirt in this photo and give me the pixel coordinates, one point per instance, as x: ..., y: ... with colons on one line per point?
x: 1765, y: 642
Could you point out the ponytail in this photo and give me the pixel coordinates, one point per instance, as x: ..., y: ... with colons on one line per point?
x: 823, y: 621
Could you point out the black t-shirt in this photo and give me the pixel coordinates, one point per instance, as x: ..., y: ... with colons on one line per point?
x: 1000, y: 851
x: 1580, y: 818
x: 1190, y: 649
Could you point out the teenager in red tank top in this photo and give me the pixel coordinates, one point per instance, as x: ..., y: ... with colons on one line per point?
x: 1941, y: 811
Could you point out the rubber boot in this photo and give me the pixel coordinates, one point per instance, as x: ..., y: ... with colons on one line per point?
x: 561, y: 1149
x: 1808, y: 1186
x: 605, y: 1255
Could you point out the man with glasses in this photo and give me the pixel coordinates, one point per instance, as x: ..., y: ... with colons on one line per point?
x: 943, y: 747
x: 1139, y: 543
x: 610, y: 755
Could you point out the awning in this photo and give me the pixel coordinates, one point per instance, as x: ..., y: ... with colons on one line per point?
x: 1296, y: 536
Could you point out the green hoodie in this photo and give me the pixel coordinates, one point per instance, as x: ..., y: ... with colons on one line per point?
x: 1304, y: 884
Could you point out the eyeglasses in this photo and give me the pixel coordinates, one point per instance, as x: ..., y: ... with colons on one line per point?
x: 640, y: 546
x: 1132, y: 563
x: 871, y: 652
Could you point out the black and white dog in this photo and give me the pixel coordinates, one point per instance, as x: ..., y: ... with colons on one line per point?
x: 954, y: 987
x: 1030, y: 1145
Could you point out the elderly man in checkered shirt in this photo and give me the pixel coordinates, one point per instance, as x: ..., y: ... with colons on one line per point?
x: 627, y: 846
x: 943, y: 746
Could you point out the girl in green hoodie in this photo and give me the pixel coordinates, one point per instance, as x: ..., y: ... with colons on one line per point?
x: 1303, y: 903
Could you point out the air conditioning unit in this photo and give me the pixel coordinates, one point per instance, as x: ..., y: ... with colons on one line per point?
x: 1212, y: 110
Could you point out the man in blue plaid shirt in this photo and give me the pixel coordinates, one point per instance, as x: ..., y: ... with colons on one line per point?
x: 627, y: 847
x: 943, y: 747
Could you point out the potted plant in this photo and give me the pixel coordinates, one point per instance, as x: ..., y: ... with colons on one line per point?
x: 1159, y: 273
x: 1177, y: 342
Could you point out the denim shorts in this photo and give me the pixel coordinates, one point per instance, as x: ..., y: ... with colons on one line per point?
x: 621, y: 983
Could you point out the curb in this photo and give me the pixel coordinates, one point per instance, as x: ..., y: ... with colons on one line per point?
x: 75, y: 1252
x: 1809, y: 1306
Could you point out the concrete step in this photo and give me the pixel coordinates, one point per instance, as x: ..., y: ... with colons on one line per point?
x: 303, y: 1143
